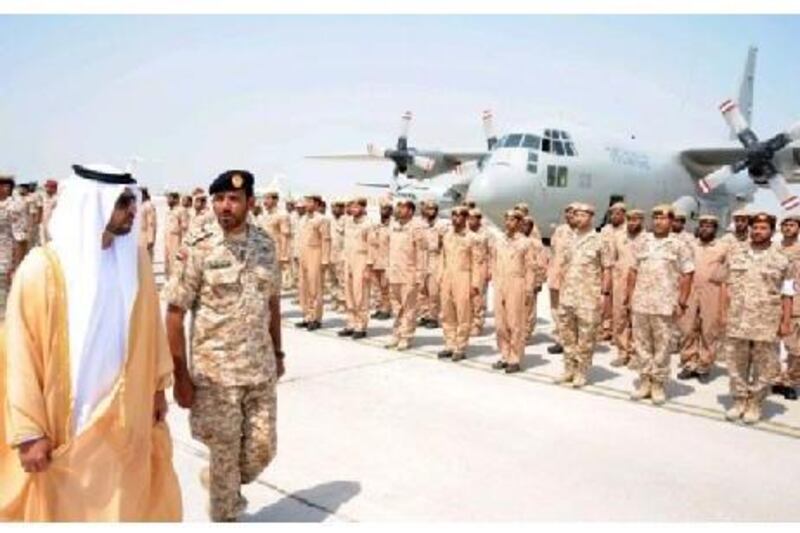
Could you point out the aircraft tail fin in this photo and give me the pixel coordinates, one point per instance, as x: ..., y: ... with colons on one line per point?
x: 746, y: 87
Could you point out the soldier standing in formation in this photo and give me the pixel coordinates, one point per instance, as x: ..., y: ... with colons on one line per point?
x: 48, y: 204
x: 173, y: 231
x: 297, y: 229
x: 336, y: 283
x: 622, y: 247
x: 357, y: 270
x: 228, y: 278
x: 379, y: 252
x: 758, y: 283
x: 314, y: 245
x: 610, y: 232
x: 406, y: 271
x: 277, y: 226
x: 741, y: 229
x: 528, y: 229
x: 460, y: 280
x: 559, y: 242
x: 429, y: 304
x: 148, y: 225
x: 701, y: 324
x: 483, y: 238
x: 513, y: 277
x: 658, y: 285
x: 789, y: 376
x: 13, y: 237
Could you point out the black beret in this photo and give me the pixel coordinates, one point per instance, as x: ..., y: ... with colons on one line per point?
x: 7, y: 179
x: 233, y: 180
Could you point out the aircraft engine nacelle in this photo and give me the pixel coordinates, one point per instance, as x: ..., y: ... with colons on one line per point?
x: 687, y: 205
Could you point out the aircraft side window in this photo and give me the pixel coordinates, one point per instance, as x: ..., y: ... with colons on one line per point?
x: 558, y: 147
x: 555, y: 134
x: 531, y: 141
x: 513, y: 140
x: 565, y: 136
x: 552, y: 177
x: 570, y: 149
x: 562, y: 177
x: 532, y: 168
x: 546, y: 145
x: 548, y: 133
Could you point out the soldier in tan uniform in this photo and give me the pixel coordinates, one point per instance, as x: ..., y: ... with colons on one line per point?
x: 200, y: 214
x: 147, y: 227
x: 513, y: 278
x: 585, y: 290
x: 186, y: 213
x: 559, y: 242
x: 314, y: 245
x: 13, y: 237
x: 622, y: 246
x: 429, y: 303
x: 336, y: 274
x: 277, y: 226
x: 28, y: 199
x: 379, y: 257
x: 48, y: 204
x: 483, y: 238
x: 460, y: 280
x: 534, y: 232
x: 228, y: 278
x: 297, y: 228
x: 614, y: 228
x: 357, y: 269
x: 758, y: 283
x: 679, y: 228
x: 789, y: 377
x: 658, y: 287
x: 741, y: 229
x: 406, y: 272
x: 537, y: 248
x: 701, y: 324
x: 173, y: 231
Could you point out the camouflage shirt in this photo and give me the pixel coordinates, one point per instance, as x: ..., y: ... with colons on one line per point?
x: 582, y: 264
x: 659, y: 264
x: 757, y: 280
x: 792, y: 252
x: 12, y: 228
x: 226, y: 282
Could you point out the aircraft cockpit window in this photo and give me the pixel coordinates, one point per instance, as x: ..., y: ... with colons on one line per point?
x: 565, y: 136
x: 558, y: 147
x: 556, y: 134
x: 548, y: 133
x: 546, y: 145
x: 531, y: 141
x: 512, y: 141
x: 570, y: 149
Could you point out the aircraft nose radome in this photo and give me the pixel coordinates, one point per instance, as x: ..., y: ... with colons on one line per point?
x: 486, y: 189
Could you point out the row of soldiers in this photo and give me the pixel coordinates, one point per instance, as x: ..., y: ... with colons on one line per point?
x: 651, y: 293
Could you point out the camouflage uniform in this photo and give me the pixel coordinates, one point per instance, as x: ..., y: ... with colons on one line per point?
x: 482, y: 239
x: 659, y: 263
x: 579, y: 308
x: 611, y: 233
x: 622, y: 251
x: 559, y: 242
x: 336, y: 272
x: 379, y: 257
x: 226, y: 282
x: 48, y: 204
x: 790, y: 375
x: 278, y: 226
x: 12, y: 229
x: 756, y: 280
x: 173, y: 235
x: 540, y: 272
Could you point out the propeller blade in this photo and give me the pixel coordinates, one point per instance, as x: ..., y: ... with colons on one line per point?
x: 786, y: 197
x: 794, y: 132
x: 405, y: 124
x: 376, y: 151
x: 733, y: 116
x: 423, y: 162
x: 375, y: 185
x: 715, y: 179
x: 488, y: 128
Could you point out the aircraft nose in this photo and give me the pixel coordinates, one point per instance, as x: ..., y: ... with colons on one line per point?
x: 490, y: 189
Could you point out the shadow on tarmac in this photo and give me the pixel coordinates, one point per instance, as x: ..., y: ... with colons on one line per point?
x: 308, y: 505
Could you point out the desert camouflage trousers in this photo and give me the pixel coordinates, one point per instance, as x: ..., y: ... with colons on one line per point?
x: 752, y: 367
x: 652, y: 339
x: 578, y: 329
x: 790, y: 374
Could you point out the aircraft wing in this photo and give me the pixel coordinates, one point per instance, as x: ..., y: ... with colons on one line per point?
x: 700, y: 162
x: 347, y: 157
x: 462, y: 157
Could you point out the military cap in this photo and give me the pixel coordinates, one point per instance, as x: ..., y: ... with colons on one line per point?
x: 51, y: 184
x: 708, y: 218
x: 741, y: 213
x: 342, y: 201
x: 198, y: 192
x: 360, y: 200
x: 314, y: 198
x: 386, y: 202
x: 514, y: 213
x: 527, y: 219
x: 475, y: 212
x: 7, y: 179
x: 680, y: 215
x: 272, y: 194
x: 405, y: 201
x: 523, y: 207
x: 663, y: 209
x: 791, y: 217
x: 618, y: 205
x: 763, y: 216
x: 570, y: 206
x: 460, y: 210
x: 430, y: 203
x: 470, y: 204
x: 580, y: 206
x: 233, y: 180
x: 631, y: 213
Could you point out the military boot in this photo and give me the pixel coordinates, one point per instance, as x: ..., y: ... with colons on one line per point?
x: 657, y: 393
x: 392, y: 343
x: 567, y: 376
x: 737, y: 410
x: 620, y: 360
x: 752, y: 412
x: 642, y: 391
x: 403, y: 345
x: 579, y: 380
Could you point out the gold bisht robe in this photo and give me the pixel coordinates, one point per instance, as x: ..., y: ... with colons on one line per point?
x: 119, y: 467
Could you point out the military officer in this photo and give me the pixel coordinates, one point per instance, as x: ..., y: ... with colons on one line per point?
x: 13, y: 237
x: 585, y: 290
x: 513, y: 280
x: 277, y: 226
x: 658, y: 287
x: 559, y: 242
x: 614, y: 228
x: 789, y: 377
x: 483, y: 238
x: 379, y: 257
x: 759, y: 285
x: 406, y: 272
x: 460, y: 280
x: 314, y: 243
x: 741, y: 228
x: 701, y: 324
x: 173, y: 231
x: 228, y: 277
x: 357, y: 269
